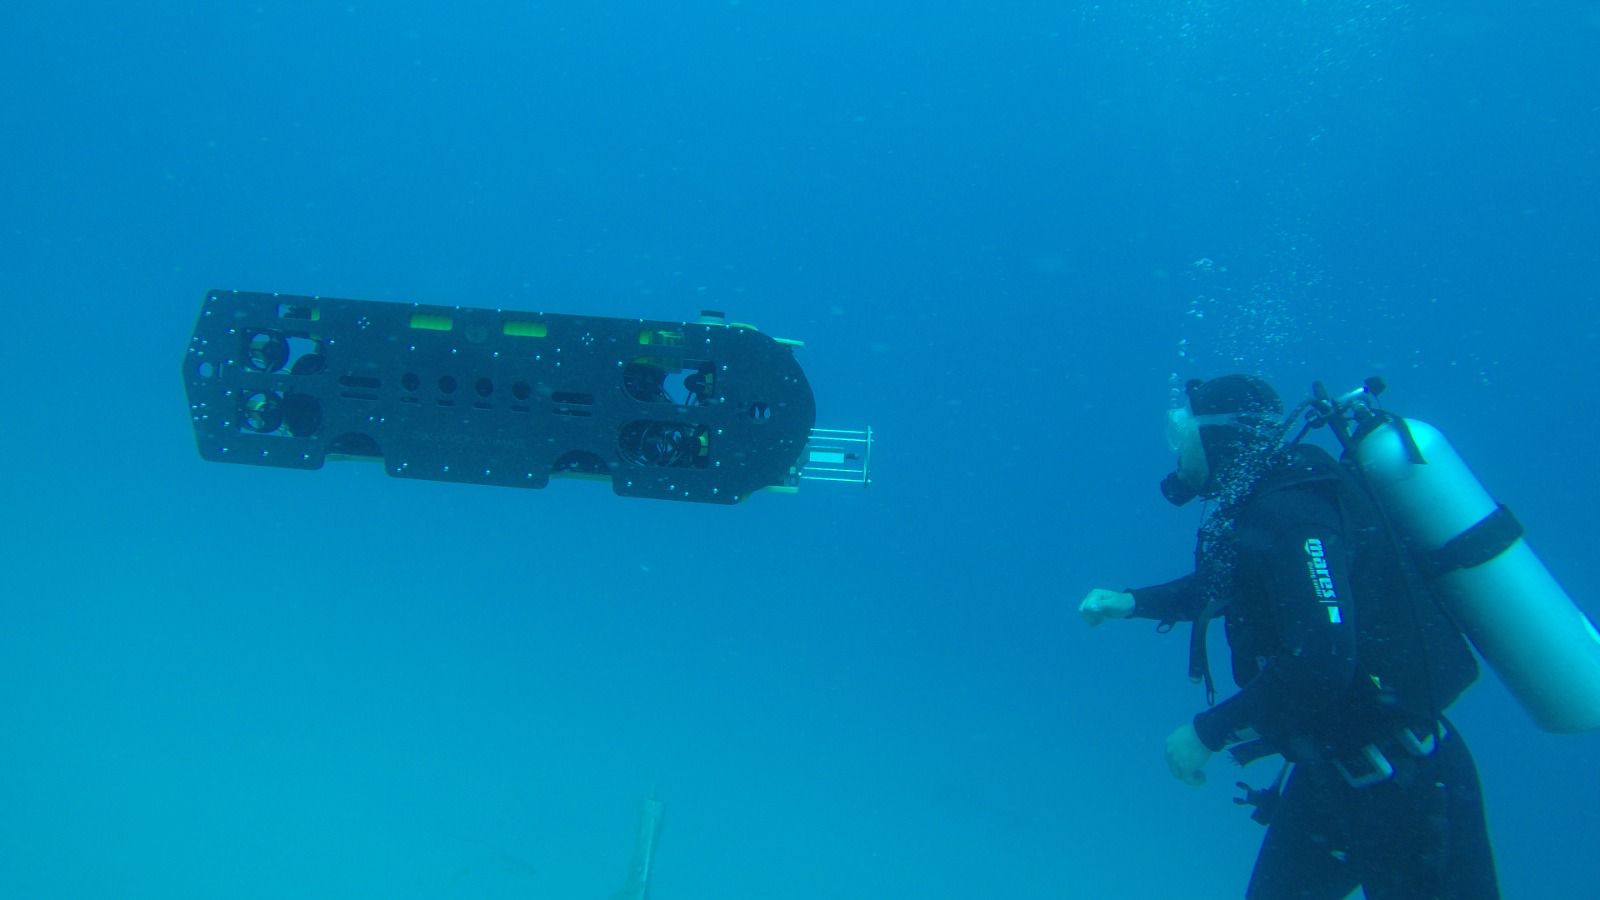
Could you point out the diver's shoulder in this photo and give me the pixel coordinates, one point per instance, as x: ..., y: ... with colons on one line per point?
x: 1296, y: 470
x: 1307, y: 460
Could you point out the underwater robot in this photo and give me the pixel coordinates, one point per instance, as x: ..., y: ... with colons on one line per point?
x: 709, y: 411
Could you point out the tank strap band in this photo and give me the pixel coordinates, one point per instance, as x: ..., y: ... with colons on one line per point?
x: 1491, y: 536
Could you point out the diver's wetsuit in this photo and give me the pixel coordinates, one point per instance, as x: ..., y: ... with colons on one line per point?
x: 1332, y: 655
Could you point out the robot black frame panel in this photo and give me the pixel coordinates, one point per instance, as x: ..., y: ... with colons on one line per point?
x: 699, y: 412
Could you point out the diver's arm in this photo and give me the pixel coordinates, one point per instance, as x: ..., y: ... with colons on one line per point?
x: 1304, y: 571
x: 1179, y: 600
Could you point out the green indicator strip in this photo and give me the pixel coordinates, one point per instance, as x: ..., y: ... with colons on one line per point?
x: 525, y: 329
x: 428, y: 322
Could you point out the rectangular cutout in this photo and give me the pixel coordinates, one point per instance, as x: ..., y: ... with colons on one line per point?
x: 299, y: 311
x: 572, y: 403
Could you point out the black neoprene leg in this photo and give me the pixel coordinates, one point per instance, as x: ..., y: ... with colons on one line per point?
x: 1471, y: 862
x: 1425, y: 837
x: 1303, y: 856
x: 1420, y: 836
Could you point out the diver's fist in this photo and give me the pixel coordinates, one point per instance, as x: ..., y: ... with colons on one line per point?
x: 1187, y: 755
x: 1101, y: 604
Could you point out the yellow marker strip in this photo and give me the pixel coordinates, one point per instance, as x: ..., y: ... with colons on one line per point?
x: 526, y: 329
x: 428, y: 322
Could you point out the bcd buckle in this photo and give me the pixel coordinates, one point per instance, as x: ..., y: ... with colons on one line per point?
x: 1373, y: 767
x: 1421, y: 747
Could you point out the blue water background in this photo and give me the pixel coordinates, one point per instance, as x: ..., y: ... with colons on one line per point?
x: 1005, y: 231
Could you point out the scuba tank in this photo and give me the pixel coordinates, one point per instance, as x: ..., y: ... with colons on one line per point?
x: 1472, y: 552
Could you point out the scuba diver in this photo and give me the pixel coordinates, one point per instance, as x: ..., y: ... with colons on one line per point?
x: 1344, y: 663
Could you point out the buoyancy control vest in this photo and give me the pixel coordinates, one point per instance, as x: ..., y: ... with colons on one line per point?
x: 1412, y: 662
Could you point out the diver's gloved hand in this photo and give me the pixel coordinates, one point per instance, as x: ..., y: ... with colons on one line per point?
x: 1101, y: 604
x: 1186, y: 755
